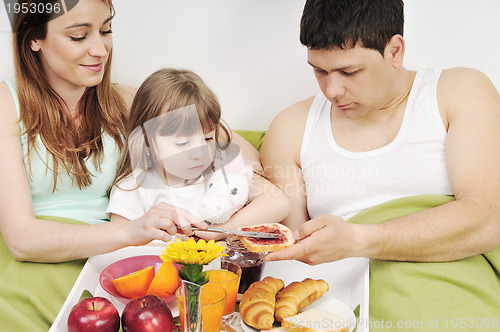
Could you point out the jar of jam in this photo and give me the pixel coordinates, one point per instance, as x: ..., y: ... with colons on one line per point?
x: 251, y: 263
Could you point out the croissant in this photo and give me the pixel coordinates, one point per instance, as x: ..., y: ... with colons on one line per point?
x: 258, y: 302
x: 298, y: 295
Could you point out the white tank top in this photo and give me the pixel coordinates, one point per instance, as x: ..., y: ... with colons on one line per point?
x: 343, y: 183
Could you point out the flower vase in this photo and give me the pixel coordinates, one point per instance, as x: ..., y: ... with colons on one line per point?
x: 192, y: 306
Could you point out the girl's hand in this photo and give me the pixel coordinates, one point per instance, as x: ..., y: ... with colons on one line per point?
x: 160, y: 223
x: 207, y: 236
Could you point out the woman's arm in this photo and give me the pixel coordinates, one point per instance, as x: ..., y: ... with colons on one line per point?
x: 27, y: 238
x: 31, y: 239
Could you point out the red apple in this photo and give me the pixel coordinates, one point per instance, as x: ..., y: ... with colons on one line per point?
x: 147, y: 313
x: 94, y: 314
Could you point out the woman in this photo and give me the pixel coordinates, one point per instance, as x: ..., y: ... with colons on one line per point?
x: 61, y: 124
x: 71, y: 120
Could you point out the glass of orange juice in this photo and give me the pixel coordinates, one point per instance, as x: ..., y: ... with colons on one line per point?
x: 212, y: 307
x: 227, y: 278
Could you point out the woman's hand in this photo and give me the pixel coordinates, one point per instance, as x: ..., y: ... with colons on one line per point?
x: 160, y: 223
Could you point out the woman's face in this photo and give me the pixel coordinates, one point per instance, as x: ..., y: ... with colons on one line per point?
x: 76, y: 48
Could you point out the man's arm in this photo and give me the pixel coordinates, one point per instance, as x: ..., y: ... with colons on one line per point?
x: 470, y: 107
x: 280, y: 157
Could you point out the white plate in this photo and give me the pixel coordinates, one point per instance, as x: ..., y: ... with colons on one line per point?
x: 326, y: 303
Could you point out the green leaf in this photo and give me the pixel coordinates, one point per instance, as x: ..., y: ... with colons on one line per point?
x: 194, y: 273
x: 356, y: 313
x: 85, y: 295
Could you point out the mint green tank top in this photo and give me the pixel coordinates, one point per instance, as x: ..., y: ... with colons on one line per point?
x: 88, y: 204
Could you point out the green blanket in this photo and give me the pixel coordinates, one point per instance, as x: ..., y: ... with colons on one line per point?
x: 31, y: 294
x: 460, y: 295
x: 411, y: 296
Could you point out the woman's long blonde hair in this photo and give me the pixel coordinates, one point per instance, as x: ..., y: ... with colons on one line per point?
x: 164, y: 91
x: 41, y: 108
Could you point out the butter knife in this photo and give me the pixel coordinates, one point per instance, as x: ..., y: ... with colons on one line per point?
x: 262, y: 235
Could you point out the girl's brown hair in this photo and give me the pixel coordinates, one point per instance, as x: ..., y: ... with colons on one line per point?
x: 41, y: 108
x: 164, y: 91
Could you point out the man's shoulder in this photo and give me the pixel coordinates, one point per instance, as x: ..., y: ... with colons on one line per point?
x: 460, y: 76
x: 287, y: 129
x: 295, y: 114
x: 459, y: 82
x: 461, y: 90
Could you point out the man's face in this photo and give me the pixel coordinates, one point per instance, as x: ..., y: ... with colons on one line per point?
x: 356, y: 80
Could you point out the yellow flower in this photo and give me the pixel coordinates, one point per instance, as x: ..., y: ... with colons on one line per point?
x: 192, y: 252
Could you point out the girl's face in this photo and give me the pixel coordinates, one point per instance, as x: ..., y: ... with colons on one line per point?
x: 185, y: 157
x: 76, y: 48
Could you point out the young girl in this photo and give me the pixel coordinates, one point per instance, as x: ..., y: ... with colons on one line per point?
x: 174, y: 134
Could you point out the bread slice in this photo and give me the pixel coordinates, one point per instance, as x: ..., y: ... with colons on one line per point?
x: 316, y: 320
x: 267, y: 245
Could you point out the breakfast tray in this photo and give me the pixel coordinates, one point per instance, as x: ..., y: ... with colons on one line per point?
x: 88, y: 280
x: 348, y: 280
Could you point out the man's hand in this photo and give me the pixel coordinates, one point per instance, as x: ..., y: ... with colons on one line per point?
x: 322, y: 239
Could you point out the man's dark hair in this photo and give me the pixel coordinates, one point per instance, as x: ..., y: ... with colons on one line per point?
x: 328, y: 24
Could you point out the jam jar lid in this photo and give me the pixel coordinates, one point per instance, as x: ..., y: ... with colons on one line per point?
x: 233, y: 242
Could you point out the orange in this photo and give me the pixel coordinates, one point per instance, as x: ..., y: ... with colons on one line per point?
x: 135, y: 284
x: 221, y: 275
x: 165, y: 281
x: 230, y: 282
x: 212, y: 308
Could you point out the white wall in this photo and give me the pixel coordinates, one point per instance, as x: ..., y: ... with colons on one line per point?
x: 248, y: 51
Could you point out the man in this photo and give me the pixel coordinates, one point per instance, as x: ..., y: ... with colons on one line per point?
x: 380, y: 132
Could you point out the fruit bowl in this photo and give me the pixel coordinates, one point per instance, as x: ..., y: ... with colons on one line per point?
x: 126, y: 266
